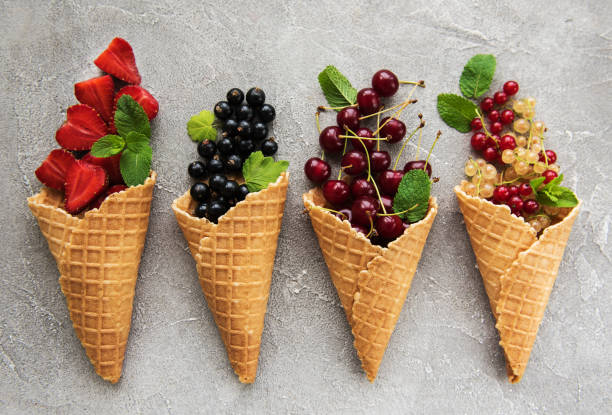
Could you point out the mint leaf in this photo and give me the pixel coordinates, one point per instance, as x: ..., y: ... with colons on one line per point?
x: 260, y: 171
x: 135, y: 166
x: 552, y: 194
x: 136, y: 142
x: 200, y: 127
x: 456, y: 111
x: 337, y: 89
x: 130, y: 116
x: 413, y: 195
x: 107, y: 146
x: 477, y: 75
x: 536, y: 183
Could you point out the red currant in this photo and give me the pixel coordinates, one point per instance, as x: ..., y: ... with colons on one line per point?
x: 493, y: 116
x: 531, y: 206
x: 507, y: 117
x: 507, y: 142
x: 317, y: 170
x: 500, y: 97
x: 417, y: 165
x: 368, y: 101
x: 496, y: 127
x: 362, y: 187
x: 330, y: 139
x: 511, y: 87
x: 476, y: 124
x: 385, y: 83
x: 478, y: 141
x: 394, y: 129
x: 514, y: 190
x: 549, y: 175
x: 550, y: 155
x: 336, y: 192
x: 487, y: 104
x: 369, y: 144
x: 389, y: 180
x: 501, y: 193
x: 515, y: 202
x: 354, y: 162
x: 379, y: 161
x: 389, y: 227
x: 348, y: 117
x: 364, y: 209
x: 525, y: 189
x: 490, y: 154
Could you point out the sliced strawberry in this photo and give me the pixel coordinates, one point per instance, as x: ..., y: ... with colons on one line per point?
x: 110, y: 164
x: 113, y: 189
x: 118, y: 60
x: 84, y: 182
x: 52, y: 171
x: 97, y: 93
x: 83, y: 127
x: 142, y: 96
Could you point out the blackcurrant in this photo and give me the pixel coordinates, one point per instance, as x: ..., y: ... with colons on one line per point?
x: 217, y: 182
x: 216, y: 210
x: 244, y: 112
x: 223, y: 110
x: 231, y: 127
x: 259, y: 130
x: 242, y: 192
x: 233, y: 163
x: 215, y: 166
x: 246, y: 147
x: 255, y: 97
x: 201, y: 210
x: 230, y: 189
x: 207, y: 149
x: 269, y: 147
x: 244, y: 129
x: 199, y: 192
x: 235, y: 96
x: 197, y: 170
x: 225, y: 146
x: 267, y: 113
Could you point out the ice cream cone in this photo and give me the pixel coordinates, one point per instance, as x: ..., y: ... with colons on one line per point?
x: 518, y: 269
x: 234, y: 260
x: 98, y: 254
x: 372, y: 281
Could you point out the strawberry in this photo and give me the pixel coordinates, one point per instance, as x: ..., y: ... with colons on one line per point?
x: 142, y: 96
x: 118, y: 60
x: 110, y: 164
x: 98, y: 93
x: 113, y: 189
x: 52, y: 171
x: 83, y: 127
x: 84, y: 182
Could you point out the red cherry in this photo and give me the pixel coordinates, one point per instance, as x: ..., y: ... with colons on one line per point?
x: 385, y: 83
x: 317, y: 170
x: 525, y: 189
x: 348, y: 117
x: 362, y: 187
x: 379, y: 161
x: 330, y: 139
x: 387, y: 202
x: 496, y: 127
x: 356, y: 160
x: 501, y: 193
x: 531, y: 206
x: 549, y: 175
x: 478, y: 141
x: 389, y: 227
x: 493, y: 116
x: 514, y: 190
x: 344, y: 214
x: 363, y: 209
x: 336, y: 192
x: 487, y: 104
x: 394, y: 129
x: 359, y: 228
x: 476, y: 124
x: 389, y: 180
x: 507, y: 142
x: 368, y: 101
x: 500, y: 97
x: 490, y: 154
x: 356, y: 143
x: 417, y: 165
x: 551, y: 155
x: 511, y: 87
x: 507, y: 116
x: 515, y: 202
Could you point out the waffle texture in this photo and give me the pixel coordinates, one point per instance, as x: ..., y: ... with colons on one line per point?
x: 98, y: 255
x: 372, y: 281
x: 518, y: 270
x: 234, y: 260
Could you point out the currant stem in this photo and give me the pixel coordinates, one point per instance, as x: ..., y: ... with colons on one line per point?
x: 432, y: 147
x: 404, y: 145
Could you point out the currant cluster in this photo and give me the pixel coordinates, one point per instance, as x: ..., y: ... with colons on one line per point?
x: 509, y: 139
x: 365, y: 195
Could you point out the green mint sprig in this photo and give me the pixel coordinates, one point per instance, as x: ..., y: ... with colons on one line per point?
x: 202, y: 126
x: 456, y: 111
x: 337, y: 89
x: 259, y: 171
x: 412, y: 196
x: 132, y: 141
x: 552, y: 194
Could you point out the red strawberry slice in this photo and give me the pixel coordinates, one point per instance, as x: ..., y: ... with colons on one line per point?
x: 84, y: 182
x: 83, y: 127
x: 98, y: 93
x: 118, y: 60
x: 110, y: 164
x: 52, y: 171
x: 142, y: 96
x: 113, y: 189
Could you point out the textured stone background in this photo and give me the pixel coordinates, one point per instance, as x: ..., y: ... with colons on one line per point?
x: 443, y: 356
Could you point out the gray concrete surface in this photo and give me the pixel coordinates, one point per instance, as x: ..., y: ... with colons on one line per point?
x: 443, y: 356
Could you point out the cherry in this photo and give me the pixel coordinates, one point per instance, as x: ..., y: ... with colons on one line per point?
x: 330, y: 139
x: 317, y: 170
x: 389, y: 180
x: 344, y: 214
x: 501, y: 193
x: 368, y: 101
x: 549, y: 175
x: 348, y: 117
x: 531, y: 206
x: 379, y: 161
x: 476, y: 124
x: 496, y: 127
x: 336, y: 192
x: 478, y: 141
x: 387, y: 202
x: 493, y: 116
x: 487, y: 104
x: 417, y: 165
x: 394, y: 129
x: 359, y: 228
x: 514, y: 190
x: 551, y: 155
x: 525, y: 189
x: 507, y: 142
x: 385, y: 83
x: 355, y: 162
x: 500, y: 97
x: 515, y: 202
x: 490, y: 154
x: 363, y: 209
x: 362, y: 187
x: 507, y: 116
x: 511, y: 87
x: 389, y: 227
x: 356, y: 143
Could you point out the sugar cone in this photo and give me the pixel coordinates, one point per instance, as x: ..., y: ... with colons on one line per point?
x: 372, y: 281
x: 518, y: 269
x: 234, y: 260
x: 98, y: 255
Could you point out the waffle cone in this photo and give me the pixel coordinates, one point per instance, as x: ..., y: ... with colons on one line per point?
x: 98, y: 255
x: 372, y: 281
x: 518, y: 270
x: 234, y: 260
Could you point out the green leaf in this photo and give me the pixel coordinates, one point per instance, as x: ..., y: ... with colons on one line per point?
x: 536, y: 183
x: 337, y: 89
x: 552, y: 194
x: 477, y: 75
x: 260, y: 171
x: 107, y: 146
x: 130, y: 116
x: 413, y: 195
x: 136, y: 166
x: 137, y: 142
x: 201, y: 127
x: 456, y: 111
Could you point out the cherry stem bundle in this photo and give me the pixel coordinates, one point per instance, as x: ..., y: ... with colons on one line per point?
x: 406, y: 142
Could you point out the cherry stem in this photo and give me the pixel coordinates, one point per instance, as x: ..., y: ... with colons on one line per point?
x: 382, y: 111
x: 342, y: 169
x: 363, y: 138
x: 397, y: 113
x: 317, y: 121
x: 323, y: 108
x: 404, y: 145
x: 416, y: 156
x: 398, y: 213
x: 420, y: 83
x: 331, y: 210
x: 371, y: 227
x: 378, y: 133
x: 432, y: 147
